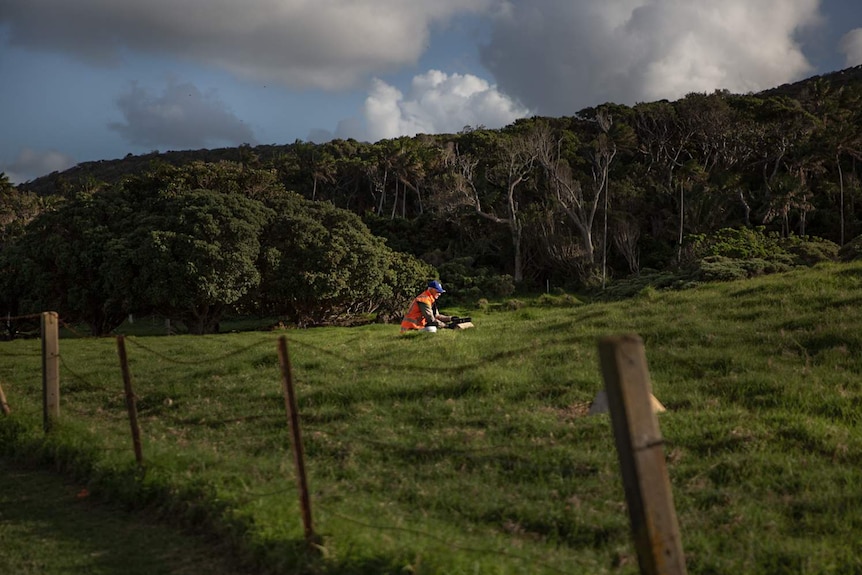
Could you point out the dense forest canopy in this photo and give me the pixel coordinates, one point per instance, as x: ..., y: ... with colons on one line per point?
x: 577, y: 202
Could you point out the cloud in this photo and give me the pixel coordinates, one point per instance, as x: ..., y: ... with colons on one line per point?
x: 181, y: 118
x: 329, y: 44
x: 559, y: 56
x: 436, y: 103
x: 31, y: 164
x: 851, y: 46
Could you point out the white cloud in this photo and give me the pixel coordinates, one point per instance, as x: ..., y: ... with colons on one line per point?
x: 328, y: 44
x: 30, y: 164
x: 182, y: 118
x: 558, y: 56
x: 851, y: 46
x: 436, y: 103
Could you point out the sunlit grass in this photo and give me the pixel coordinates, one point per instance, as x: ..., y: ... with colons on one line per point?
x: 466, y: 452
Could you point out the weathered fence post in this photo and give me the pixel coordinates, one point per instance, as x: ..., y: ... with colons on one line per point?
x: 50, y: 369
x: 131, y: 401
x: 641, y: 454
x: 296, y: 439
x: 4, y: 407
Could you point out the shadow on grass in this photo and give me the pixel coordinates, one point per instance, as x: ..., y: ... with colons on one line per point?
x: 49, y: 525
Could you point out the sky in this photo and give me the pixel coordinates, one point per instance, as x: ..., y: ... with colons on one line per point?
x: 88, y: 80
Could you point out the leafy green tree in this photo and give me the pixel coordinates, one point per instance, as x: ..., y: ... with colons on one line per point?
x: 195, y: 254
x: 17, y: 209
x: 321, y: 263
x: 59, y: 263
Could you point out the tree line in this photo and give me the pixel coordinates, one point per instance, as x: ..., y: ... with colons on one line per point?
x: 583, y: 202
x: 194, y: 242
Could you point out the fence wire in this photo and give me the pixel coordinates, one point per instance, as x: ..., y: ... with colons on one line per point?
x: 207, y: 361
x: 501, y: 450
x: 447, y: 544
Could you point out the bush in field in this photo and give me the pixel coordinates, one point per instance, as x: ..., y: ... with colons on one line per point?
x: 321, y: 263
x: 737, y: 243
x: 195, y: 255
x: 810, y: 250
x: 557, y: 300
x: 60, y: 264
x: 851, y: 251
x: 726, y: 255
x: 154, y: 245
x: 720, y: 268
x: 731, y: 254
x: 99, y: 257
x: 466, y: 282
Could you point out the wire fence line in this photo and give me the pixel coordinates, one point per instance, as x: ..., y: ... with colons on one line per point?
x: 422, y: 368
x: 502, y: 450
x: 207, y: 361
x: 507, y: 447
x: 34, y: 354
x: 498, y: 449
x: 447, y: 544
x: 22, y: 317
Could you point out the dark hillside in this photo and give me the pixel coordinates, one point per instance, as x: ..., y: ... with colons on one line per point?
x: 112, y: 171
x: 772, y: 179
x: 109, y: 172
x: 801, y: 90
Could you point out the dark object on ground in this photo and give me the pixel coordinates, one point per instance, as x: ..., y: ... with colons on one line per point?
x: 459, y: 322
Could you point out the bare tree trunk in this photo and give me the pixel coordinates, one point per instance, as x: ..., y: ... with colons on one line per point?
x: 745, y: 207
x: 518, y: 273
x: 841, y: 196
x: 382, y: 194
x: 681, y: 222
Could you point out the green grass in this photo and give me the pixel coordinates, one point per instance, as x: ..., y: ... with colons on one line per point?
x: 52, y: 527
x: 472, y: 452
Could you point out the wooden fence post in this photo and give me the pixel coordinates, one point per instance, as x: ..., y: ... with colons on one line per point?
x: 641, y: 454
x: 4, y: 407
x: 50, y: 369
x: 296, y: 440
x: 131, y: 401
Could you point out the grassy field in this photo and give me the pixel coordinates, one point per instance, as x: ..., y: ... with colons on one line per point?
x: 49, y: 526
x: 473, y: 452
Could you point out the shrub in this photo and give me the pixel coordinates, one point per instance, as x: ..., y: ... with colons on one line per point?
x: 809, y: 251
x: 322, y: 264
x: 648, y: 279
x: 719, y: 268
x: 513, y: 305
x: 465, y: 282
x: 405, y: 277
x: 563, y: 300
x: 851, y: 251
x: 731, y: 254
x: 735, y: 243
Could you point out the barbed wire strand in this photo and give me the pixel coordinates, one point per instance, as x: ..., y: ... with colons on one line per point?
x: 448, y: 544
x: 501, y: 449
x: 249, y: 497
x: 71, y: 329
x: 327, y: 352
x: 417, y: 368
x: 168, y: 358
x: 77, y: 376
x: 20, y: 317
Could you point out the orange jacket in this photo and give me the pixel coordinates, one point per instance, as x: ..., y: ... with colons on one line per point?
x: 420, y: 312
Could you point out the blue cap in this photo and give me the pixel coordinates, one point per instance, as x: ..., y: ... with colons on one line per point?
x: 436, y: 285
